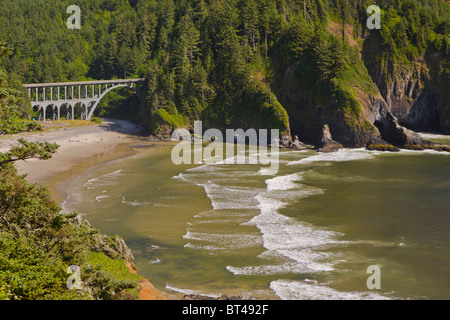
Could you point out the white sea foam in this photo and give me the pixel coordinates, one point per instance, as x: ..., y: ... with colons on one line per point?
x: 283, y: 182
x: 284, y: 237
x: 105, y: 180
x: 340, y: 155
x: 434, y: 136
x: 204, y: 247
x: 188, y: 291
x: 229, y: 177
x: 135, y: 203
x: 305, y: 290
x: 421, y: 152
x: 219, y: 221
x: 162, y: 205
x: 99, y: 198
x: 203, y: 168
x: 266, y: 172
x: 226, y: 241
x: 291, y: 246
x: 154, y: 261
x: 231, y: 197
x: 282, y: 268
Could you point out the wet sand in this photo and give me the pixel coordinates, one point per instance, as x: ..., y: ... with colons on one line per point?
x: 76, y: 144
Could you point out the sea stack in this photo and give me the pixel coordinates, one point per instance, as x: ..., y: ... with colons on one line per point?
x: 326, y: 142
x: 297, y: 144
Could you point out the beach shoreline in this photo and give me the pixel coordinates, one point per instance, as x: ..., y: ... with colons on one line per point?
x: 75, y: 144
x: 81, y: 148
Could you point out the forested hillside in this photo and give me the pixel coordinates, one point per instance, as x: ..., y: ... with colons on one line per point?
x: 288, y: 64
x: 13, y: 105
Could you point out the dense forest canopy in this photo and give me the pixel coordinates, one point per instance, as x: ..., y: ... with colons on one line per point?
x: 218, y: 60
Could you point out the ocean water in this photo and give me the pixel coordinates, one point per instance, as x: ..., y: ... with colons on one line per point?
x: 309, y: 232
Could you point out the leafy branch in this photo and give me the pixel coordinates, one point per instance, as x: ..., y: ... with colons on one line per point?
x: 28, y: 150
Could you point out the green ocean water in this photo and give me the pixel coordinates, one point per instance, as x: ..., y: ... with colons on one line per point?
x: 309, y: 232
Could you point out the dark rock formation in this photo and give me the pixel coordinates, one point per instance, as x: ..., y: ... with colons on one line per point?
x: 435, y: 147
x: 382, y: 147
x: 285, y: 141
x: 326, y: 142
x: 417, y: 95
x: 397, y: 135
x: 164, y: 132
x: 297, y: 144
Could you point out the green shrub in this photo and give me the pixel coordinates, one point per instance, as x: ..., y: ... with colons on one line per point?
x: 96, y: 120
x: 38, y: 243
x: 17, y: 125
x: 162, y: 117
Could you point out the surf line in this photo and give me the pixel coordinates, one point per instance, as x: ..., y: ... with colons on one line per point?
x: 259, y: 145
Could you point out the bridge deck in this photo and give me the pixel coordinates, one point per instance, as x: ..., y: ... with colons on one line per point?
x: 82, y: 83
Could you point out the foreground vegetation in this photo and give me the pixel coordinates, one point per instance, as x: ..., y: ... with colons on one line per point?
x: 14, y: 108
x: 38, y: 242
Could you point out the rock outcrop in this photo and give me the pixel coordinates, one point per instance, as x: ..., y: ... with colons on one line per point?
x: 297, y: 144
x: 417, y: 94
x: 403, y: 99
x: 382, y: 147
x: 396, y: 134
x: 112, y: 246
x: 326, y: 142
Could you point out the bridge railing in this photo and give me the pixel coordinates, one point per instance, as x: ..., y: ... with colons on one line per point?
x: 45, y: 92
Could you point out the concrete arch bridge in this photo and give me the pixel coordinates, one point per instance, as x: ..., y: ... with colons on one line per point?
x: 68, y: 94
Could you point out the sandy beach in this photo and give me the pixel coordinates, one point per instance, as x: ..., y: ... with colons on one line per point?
x: 76, y: 144
x: 81, y: 146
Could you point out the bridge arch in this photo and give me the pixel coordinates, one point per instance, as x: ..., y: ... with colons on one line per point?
x: 44, y: 108
x: 95, y: 105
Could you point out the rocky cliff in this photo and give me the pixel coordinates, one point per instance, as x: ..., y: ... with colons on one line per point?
x: 415, y: 93
x: 381, y: 97
x: 375, y: 124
